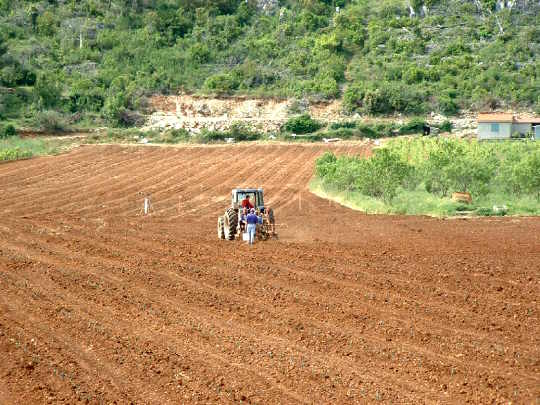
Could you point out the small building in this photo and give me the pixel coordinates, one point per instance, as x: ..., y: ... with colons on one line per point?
x: 506, y: 126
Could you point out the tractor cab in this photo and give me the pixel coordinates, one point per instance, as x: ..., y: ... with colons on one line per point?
x: 255, y: 194
x: 230, y: 225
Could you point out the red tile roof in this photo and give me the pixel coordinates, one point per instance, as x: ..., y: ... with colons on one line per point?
x: 527, y: 120
x: 495, y: 117
x: 507, y: 117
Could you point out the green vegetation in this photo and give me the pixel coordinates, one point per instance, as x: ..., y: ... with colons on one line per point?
x: 309, y: 130
x: 15, y: 148
x: 302, y: 124
x: 237, y: 133
x: 7, y: 131
x: 93, y: 62
x: 418, y: 176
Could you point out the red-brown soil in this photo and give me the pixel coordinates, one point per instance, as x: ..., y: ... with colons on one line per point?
x: 101, y: 304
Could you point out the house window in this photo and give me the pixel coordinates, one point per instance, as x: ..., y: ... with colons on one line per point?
x: 494, y: 127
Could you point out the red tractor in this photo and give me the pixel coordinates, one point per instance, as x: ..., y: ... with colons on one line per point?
x: 230, y: 226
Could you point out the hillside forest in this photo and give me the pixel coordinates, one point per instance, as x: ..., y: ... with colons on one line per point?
x: 94, y: 62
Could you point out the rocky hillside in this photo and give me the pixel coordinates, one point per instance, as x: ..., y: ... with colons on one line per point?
x: 97, y: 62
x: 267, y: 115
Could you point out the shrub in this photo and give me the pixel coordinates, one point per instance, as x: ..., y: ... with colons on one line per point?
x: 326, y: 86
x: 344, y: 124
x: 468, y: 171
x: 221, y: 83
x: 392, y: 98
x: 343, y: 133
x: 353, y: 98
x: 368, y: 131
x: 46, y: 24
x: 207, y: 136
x: 302, y: 124
x: 130, y: 118
x: 484, y: 211
x: 414, y: 126
x: 446, y: 126
x: 448, y: 106
x: 376, y: 102
x: 47, y: 91
x: 242, y: 132
x: 51, y: 121
x: 8, y: 131
x: 175, y: 136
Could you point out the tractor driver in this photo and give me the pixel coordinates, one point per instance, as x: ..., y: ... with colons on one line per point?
x: 246, y: 203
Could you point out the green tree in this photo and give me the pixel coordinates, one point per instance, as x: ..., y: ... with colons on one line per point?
x: 46, y: 24
x: 325, y: 165
x: 523, y: 174
x: 472, y: 170
x: 47, y: 92
x: 384, y: 173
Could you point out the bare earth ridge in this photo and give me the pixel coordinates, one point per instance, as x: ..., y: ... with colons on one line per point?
x: 101, y: 304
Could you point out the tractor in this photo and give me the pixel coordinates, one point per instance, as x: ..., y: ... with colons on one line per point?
x: 229, y: 226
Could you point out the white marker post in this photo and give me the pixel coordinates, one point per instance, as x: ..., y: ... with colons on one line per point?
x: 146, y: 205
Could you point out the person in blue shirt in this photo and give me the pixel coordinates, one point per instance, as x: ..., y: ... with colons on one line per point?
x: 252, y: 220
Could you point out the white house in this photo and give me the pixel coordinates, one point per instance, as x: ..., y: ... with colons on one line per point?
x: 506, y: 126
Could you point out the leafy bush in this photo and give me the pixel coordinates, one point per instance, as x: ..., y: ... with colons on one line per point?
x: 446, y: 126
x: 47, y: 92
x: 454, y: 166
x: 388, y: 98
x: 302, y: 124
x: 173, y: 136
x: 342, y: 133
x: 521, y: 174
x: 414, y: 126
x: 7, y: 131
x: 242, y: 132
x: 206, y: 136
x: 50, y: 121
x: 353, y: 98
x: 484, y: 211
x: 344, y: 124
x: 238, y: 132
x: 221, y: 83
x: 448, y: 106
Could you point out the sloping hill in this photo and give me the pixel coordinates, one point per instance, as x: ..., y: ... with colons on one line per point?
x: 97, y: 60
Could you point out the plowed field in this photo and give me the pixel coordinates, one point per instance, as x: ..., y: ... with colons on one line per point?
x: 101, y: 304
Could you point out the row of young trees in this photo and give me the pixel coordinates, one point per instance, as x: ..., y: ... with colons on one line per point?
x: 440, y: 166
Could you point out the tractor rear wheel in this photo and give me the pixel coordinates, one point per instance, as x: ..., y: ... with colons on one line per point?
x: 230, y: 223
x: 220, y: 229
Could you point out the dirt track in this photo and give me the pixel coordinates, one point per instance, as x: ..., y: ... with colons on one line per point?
x: 99, y: 303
